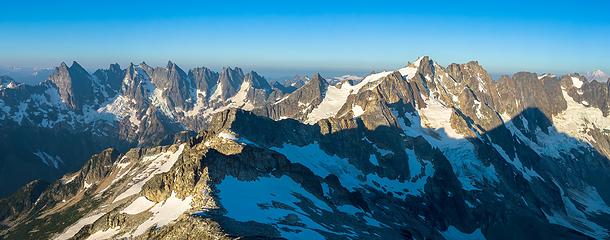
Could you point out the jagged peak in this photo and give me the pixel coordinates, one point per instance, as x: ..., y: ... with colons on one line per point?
x: 317, y: 77
x: 75, y: 64
x: 229, y: 70
x: 77, y: 67
x: 473, y: 62
x: 202, y: 68
x: 423, y: 60
x: 254, y: 76
x: 575, y: 75
x: 144, y: 65
x: 130, y: 71
x: 420, y: 59
x: 524, y: 75
x: 232, y: 75
x: 69, y: 70
x: 63, y: 65
x: 504, y: 77
x: 115, y: 67
x: 277, y: 84
x: 253, y: 73
x: 597, y: 75
x: 174, y: 67
x: 130, y: 66
x: 257, y: 80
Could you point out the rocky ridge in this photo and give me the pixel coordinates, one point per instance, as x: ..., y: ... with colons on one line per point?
x: 421, y: 152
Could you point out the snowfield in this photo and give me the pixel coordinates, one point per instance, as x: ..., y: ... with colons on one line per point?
x: 156, y: 164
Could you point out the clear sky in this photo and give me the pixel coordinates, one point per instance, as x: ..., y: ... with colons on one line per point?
x: 286, y: 36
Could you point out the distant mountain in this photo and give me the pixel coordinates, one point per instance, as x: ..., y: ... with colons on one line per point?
x: 597, y: 75
x: 114, y: 107
x: 351, y: 78
x: 5, y: 81
x: 30, y: 76
x: 421, y: 152
x: 296, y: 82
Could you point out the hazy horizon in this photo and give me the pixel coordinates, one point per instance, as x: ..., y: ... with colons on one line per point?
x: 316, y: 36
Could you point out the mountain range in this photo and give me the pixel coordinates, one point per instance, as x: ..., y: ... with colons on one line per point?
x: 26, y: 75
x: 421, y: 152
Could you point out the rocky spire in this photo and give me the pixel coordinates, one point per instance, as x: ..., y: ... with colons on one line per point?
x: 110, y: 79
x: 74, y: 84
x: 204, y: 79
x: 175, y: 84
x: 136, y: 84
x: 229, y: 82
x: 300, y: 102
x: 318, y: 81
x: 257, y: 81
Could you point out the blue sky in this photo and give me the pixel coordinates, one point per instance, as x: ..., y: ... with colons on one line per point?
x: 277, y: 37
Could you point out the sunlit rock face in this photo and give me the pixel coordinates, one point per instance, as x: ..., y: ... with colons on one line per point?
x: 423, y: 152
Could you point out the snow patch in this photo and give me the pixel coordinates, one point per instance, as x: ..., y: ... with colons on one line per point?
x: 72, y: 230
x: 452, y: 233
x: 408, y: 72
x: 336, y: 97
x: 155, y: 164
x: 122, y: 107
x: 574, y: 218
x: 240, y: 98
x: 66, y: 179
x: 527, y: 173
x: 372, y: 222
x: 53, y: 161
x: 546, y: 75
x: 261, y: 194
x: 434, y: 124
x: 164, y: 213
x: 349, y: 209
x: 399, y: 187
x: 200, y: 105
x: 373, y: 160
x: 590, y: 199
x: 228, y: 136
x: 105, y: 234
x: 357, y: 111
x: 576, y: 82
x: 322, y: 164
x: 139, y: 205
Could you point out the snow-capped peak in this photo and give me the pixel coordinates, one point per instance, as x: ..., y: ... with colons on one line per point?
x: 597, y: 75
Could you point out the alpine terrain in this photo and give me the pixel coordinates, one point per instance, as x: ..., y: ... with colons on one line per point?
x: 421, y: 152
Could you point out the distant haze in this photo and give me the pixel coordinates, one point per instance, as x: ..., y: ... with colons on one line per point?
x: 285, y: 38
